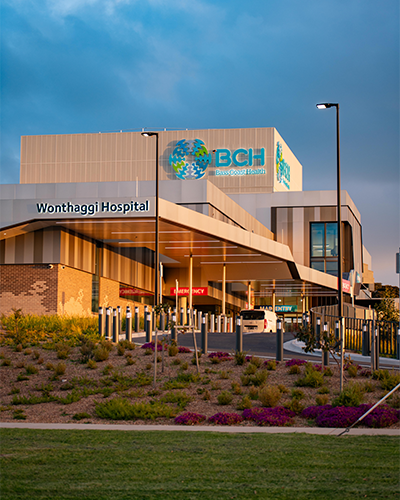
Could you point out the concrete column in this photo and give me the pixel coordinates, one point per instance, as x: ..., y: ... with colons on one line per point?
x: 249, y: 294
x: 190, y: 282
x: 273, y: 301
x: 223, y: 288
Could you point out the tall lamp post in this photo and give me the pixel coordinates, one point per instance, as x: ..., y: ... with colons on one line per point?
x: 157, y: 253
x: 326, y: 105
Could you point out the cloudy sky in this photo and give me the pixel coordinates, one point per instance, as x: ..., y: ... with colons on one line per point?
x: 76, y: 66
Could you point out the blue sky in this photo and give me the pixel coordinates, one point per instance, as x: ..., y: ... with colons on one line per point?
x: 76, y: 66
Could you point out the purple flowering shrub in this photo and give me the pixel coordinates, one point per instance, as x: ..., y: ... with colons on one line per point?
x: 222, y: 356
x: 189, y: 418
x: 150, y: 345
x: 277, y: 417
x: 183, y: 349
x: 294, y: 361
x: 223, y: 418
x: 344, y: 416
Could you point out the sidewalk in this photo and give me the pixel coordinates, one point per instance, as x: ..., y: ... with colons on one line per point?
x: 203, y: 428
x: 296, y: 346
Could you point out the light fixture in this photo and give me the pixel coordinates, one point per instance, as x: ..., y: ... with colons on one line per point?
x: 325, y: 105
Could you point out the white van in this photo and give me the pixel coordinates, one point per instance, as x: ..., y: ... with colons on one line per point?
x: 258, y: 321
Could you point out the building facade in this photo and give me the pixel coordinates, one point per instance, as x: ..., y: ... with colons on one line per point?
x: 236, y: 228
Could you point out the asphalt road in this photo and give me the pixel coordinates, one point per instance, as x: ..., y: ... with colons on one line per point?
x: 258, y: 344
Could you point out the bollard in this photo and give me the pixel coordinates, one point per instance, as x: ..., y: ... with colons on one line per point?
x: 337, y: 335
x: 212, y: 323
x: 173, y: 329
x: 365, y: 340
x: 200, y: 319
x: 108, y: 323
x: 325, y: 354
x: 304, y: 319
x: 224, y: 324
x: 318, y: 332
x: 114, y: 326
x: 188, y: 316
x: 148, y: 327
x: 128, y: 324
x: 119, y: 324
x: 377, y: 349
x: 204, y: 335
x: 239, y: 334
x: 136, y: 319
x: 162, y: 321
x: 398, y: 344
x: 279, y: 341
x: 219, y: 323
x: 101, y: 322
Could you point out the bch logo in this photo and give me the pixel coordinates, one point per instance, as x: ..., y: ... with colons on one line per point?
x: 282, y: 168
x: 190, y: 159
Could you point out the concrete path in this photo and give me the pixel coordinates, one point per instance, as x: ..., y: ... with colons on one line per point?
x: 203, y: 428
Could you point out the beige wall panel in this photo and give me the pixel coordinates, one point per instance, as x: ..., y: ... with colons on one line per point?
x: 48, y: 149
x: 28, y: 247
x: 108, y: 147
x: 328, y: 214
x: 9, y: 254
x: 93, y: 145
x: 64, y: 143
x: 78, y: 148
x: 123, y: 147
x: 298, y: 235
x: 77, y: 171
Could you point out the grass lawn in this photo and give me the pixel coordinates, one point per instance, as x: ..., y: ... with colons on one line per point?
x: 40, y: 464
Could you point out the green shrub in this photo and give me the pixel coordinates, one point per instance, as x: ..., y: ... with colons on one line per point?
x: 297, y: 394
x: 21, y: 376
x: 257, y: 379
x: 15, y: 390
x: 322, y: 400
x: 92, y: 364
x: 312, y: 378
x: 49, y: 366
x: 295, y: 405
x: 236, y: 389
x: 173, y: 350
x: 256, y: 361
x: 352, y: 395
x: 223, y: 375
x: 215, y: 360
x: 253, y: 392
x: 250, y: 369
x: 368, y: 386
x: 63, y: 352
x: 245, y: 403
x: 184, y: 366
x: 122, y: 409
x: 224, y: 398
x: 70, y: 398
x: 388, y: 380
x: 182, y: 399
x: 101, y: 353
x: 294, y: 370
x: 323, y: 390
x: 31, y: 370
x: 27, y: 352
x: 271, y: 364
x: 240, y: 358
x: 20, y: 364
x: 130, y: 361
x: 328, y: 372
x: 283, y: 388
x: 207, y: 395
x: 60, y: 369
x: 216, y: 386
x: 394, y: 400
x: 127, y: 345
x: 352, y: 371
x: 81, y: 416
x: 19, y: 414
x: 269, y: 396
x: 176, y: 361
x: 36, y: 354
x: 6, y: 362
x: 87, y: 350
x: 108, y: 369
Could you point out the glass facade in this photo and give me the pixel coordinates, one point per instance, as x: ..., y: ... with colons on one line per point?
x: 324, y: 247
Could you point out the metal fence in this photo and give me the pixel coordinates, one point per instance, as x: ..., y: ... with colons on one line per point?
x: 385, y: 331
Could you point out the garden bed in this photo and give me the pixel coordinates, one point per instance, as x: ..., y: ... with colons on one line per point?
x: 104, y: 383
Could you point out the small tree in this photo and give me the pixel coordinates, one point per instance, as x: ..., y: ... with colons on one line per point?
x: 386, y: 309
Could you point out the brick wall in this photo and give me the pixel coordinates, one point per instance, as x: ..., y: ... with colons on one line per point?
x: 74, y: 297
x: 30, y: 287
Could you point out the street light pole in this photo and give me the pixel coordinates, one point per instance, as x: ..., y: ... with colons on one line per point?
x: 339, y: 236
x: 157, y: 253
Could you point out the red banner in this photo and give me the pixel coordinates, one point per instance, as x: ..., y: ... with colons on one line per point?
x: 196, y: 290
x: 346, y: 286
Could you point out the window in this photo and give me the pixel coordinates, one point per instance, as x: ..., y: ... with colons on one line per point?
x: 324, y: 247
